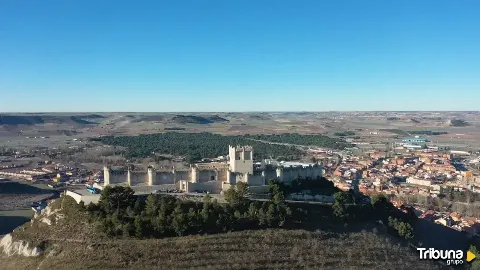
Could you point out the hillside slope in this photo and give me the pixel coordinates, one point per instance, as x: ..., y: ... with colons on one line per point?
x: 30, y: 120
x: 70, y: 242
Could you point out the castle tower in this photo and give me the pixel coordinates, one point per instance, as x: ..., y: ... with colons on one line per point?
x: 129, y: 177
x: 280, y: 174
x: 151, y: 174
x: 241, y: 159
x: 106, y: 176
x: 195, y: 175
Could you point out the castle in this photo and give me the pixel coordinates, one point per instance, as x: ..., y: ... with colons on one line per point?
x: 213, y: 177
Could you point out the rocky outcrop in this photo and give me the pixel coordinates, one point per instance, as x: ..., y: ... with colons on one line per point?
x: 11, y: 247
x: 49, y: 216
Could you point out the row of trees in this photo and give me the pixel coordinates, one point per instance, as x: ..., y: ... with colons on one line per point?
x: 195, y: 146
x: 344, y: 133
x: 347, y: 207
x: 459, y: 196
x: 402, y: 228
x: 463, y: 202
x: 427, y: 132
x: 300, y: 139
x: 120, y: 213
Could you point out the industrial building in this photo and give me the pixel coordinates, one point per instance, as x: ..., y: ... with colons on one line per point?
x: 415, y: 140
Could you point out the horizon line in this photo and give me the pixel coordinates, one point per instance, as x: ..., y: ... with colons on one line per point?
x: 266, y: 111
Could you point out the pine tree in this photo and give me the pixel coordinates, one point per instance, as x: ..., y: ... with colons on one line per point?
x: 272, y: 215
x: 138, y: 223
x: 151, y: 205
x: 179, y: 221
x: 138, y: 206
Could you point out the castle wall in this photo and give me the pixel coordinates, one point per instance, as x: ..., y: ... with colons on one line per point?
x: 270, y: 175
x: 255, y: 180
x: 287, y: 175
x: 210, y: 186
x: 182, y: 175
x: 166, y: 187
x: 258, y: 189
x: 118, y: 177
x: 240, y: 177
x: 164, y: 178
x: 231, y: 178
x: 138, y: 178
x: 205, y: 176
x: 87, y: 199
x: 222, y: 175
x: 225, y: 186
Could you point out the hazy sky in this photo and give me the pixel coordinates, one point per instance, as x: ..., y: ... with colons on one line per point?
x: 239, y: 55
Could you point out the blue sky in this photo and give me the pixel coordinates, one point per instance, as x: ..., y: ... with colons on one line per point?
x: 239, y: 55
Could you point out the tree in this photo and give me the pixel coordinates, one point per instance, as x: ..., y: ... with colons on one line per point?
x: 262, y: 218
x: 343, y: 197
x: 242, y: 189
x: 252, y: 211
x: 272, y: 215
x: 276, y: 191
x: 151, y: 205
x: 194, y: 220
x: 81, y: 205
x: 127, y: 229
x: 404, y: 229
x: 137, y: 207
x: 230, y: 195
x: 139, y: 227
x: 160, y: 222
x: 116, y: 197
x: 381, y: 205
x: 339, y: 210
x: 130, y: 212
x: 179, y: 220
x: 207, y: 198
x: 339, y: 207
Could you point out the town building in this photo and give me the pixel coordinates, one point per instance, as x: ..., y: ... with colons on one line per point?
x: 418, y: 181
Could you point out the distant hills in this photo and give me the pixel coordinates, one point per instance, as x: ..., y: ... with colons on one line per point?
x: 194, y: 119
x: 6, y: 119
x: 93, y: 119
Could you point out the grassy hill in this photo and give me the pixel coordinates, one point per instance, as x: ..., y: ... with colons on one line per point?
x: 71, y: 242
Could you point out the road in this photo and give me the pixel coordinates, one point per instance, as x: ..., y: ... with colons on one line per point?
x: 288, y: 144
x: 301, y: 147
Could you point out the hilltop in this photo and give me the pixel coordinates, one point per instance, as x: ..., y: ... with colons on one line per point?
x: 65, y: 239
x: 30, y: 120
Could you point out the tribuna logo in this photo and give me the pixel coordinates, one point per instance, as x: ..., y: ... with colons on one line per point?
x: 452, y: 257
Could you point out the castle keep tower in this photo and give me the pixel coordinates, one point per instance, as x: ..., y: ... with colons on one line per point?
x: 241, y: 159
